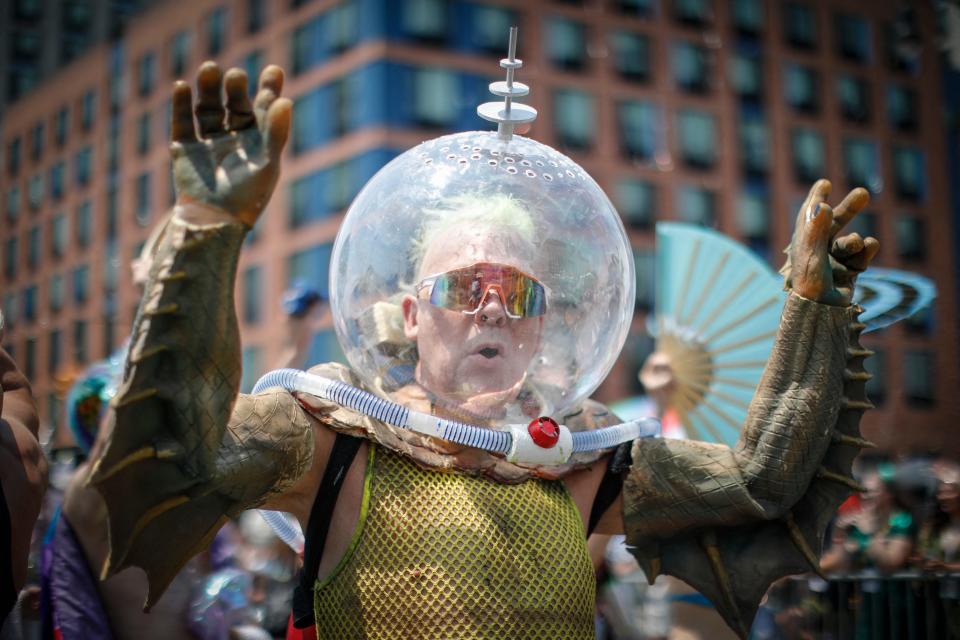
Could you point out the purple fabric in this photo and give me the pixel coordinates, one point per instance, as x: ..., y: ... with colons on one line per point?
x: 74, y: 610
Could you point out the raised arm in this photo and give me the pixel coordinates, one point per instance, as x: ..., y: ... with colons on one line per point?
x: 183, y: 452
x: 729, y: 521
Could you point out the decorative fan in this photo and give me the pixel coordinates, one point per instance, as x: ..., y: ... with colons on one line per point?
x: 717, y: 310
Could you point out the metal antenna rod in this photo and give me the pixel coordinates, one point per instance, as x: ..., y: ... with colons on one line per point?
x: 508, y: 114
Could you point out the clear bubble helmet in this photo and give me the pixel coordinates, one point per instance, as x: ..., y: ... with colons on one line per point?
x: 476, y: 198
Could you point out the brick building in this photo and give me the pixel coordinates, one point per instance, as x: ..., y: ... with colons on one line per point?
x: 716, y: 112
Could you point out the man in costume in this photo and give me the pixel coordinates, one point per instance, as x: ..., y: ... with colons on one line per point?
x: 429, y: 539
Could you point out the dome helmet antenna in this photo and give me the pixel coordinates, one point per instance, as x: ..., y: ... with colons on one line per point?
x: 508, y: 114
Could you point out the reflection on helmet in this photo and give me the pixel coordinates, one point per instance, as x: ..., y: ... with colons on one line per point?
x: 470, y: 199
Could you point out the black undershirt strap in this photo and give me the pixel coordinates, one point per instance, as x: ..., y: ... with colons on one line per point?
x: 341, y: 456
x: 611, y: 485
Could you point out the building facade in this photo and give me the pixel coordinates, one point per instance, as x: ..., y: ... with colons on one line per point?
x: 721, y: 113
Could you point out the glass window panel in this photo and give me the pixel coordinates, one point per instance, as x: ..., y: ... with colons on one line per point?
x: 902, y: 47
x: 143, y: 133
x: 312, y: 266
x: 801, y: 88
x: 13, y: 156
x: 800, y: 25
x: 637, y: 202
x: 852, y: 37
x: 490, y: 28
x: 748, y: 16
x: 752, y: 219
x: 429, y: 87
x: 54, y: 354
x: 861, y: 164
x: 690, y: 64
x: 256, y: 15
x: 919, y: 378
x: 876, y: 387
x: 83, y: 165
x: 33, y: 247
x: 693, y: 12
x: 61, y: 126
x: 35, y: 191
x: 252, y: 294
x: 696, y: 205
x: 639, y: 126
x: 909, y: 182
x: 11, y: 258
x: 55, y: 292
x: 566, y: 43
x: 573, y: 119
x: 146, y: 73
x: 216, y: 31
x: 853, y: 94
x: 910, y: 232
x: 84, y: 223
x: 324, y: 347
x: 645, y: 263
x: 81, y: 284
x: 30, y: 303
x: 143, y: 199
x: 251, y: 368
x: 88, y: 109
x: 179, y: 53
x: 80, y: 341
x: 697, y: 138
x: 10, y: 308
x: 754, y: 145
x: 36, y: 142
x: 644, y: 8
x: 807, y: 148
x: 631, y: 55
x: 57, y: 177
x: 59, y: 235
x: 424, y: 19
x: 902, y: 108
x: 746, y: 75
x: 13, y: 203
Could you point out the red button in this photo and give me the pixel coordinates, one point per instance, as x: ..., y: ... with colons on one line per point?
x: 544, y: 431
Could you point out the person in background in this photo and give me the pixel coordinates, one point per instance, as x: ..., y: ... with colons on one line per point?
x: 23, y: 477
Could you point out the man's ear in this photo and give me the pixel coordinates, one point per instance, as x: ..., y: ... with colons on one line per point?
x: 410, y: 307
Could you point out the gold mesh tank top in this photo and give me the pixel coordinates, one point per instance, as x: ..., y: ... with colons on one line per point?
x: 442, y: 555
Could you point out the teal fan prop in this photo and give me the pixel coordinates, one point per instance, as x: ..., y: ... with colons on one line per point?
x: 717, y: 310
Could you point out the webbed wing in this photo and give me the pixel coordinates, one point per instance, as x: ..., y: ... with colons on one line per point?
x: 725, y: 521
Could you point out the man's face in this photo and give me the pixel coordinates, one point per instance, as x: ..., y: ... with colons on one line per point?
x: 467, y: 357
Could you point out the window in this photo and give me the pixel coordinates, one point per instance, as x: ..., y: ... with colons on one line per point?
x: 574, y: 119
x: 921, y: 323
x: 11, y: 257
x: 35, y: 191
x: 853, y: 94
x: 748, y: 16
x: 566, y: 44
x: 696, y: 205
x: 59, y: 235
x: 256, y: 15
x: 83, y: 164
x: 428, y: 83
x: 644, y: 8
x: 696, y: 13
x: 57, y: 174
x: 13, y: 203
x: 852, y: 37
x: 631, y: 55
x: 88, y: 109
x: 84, y: 224
x: 424, y: 20
x: 690, y: 67
x: 902, y: 109
x: 490, y: 28
x: 799, y: 25
x: 876, y: 387
x: 30, y: 358
x: 36, y: 142
x: 251, y: 368
x: 864, y: 223
x: 13, y: 157
x: 901, y: 48
x: 33, y: 247
x: 61, y: 126
x: 637, y: 202
x: 746, y: 76
x: 330, y: 32
x: 111, y: 204
x: 55, y: 293
x: 909, y: 182
x: 146, y: 73
x: 253, y: 64
x: 807, y: 150
x: 30, y: 303
x: 311, y: 266
x: 919, y: 378
x: 252, y: 294
x: 81, y: 284
x: 53, y: 355
x: 754, y: 144
x: 179, y: 53
x: 697, y: 138
x: 109, y: 334
x: 861, y: 166
x: 80, y: 341
x: 801, y: 88
x: 10, y: 309
x: 639, y: 127
x: 216, y: 28
x: 910, y: 232
x: 143, y: 199
x: 753, y: 221
x: 645, y: 263
x: 322, y: 193
x: 143, y: 133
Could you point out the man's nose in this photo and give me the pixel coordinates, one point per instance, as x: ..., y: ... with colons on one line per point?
x: 491, y: 309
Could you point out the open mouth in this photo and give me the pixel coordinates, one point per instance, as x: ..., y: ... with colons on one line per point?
x: 489, y: 352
